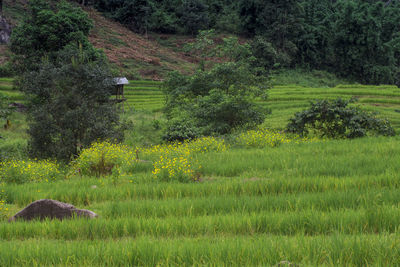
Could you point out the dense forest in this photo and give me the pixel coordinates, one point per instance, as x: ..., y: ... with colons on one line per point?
x: 356, y: 39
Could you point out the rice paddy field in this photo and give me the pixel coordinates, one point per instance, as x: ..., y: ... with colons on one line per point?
x: 307, y: 202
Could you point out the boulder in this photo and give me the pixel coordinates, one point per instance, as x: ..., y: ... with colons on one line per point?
x: 52, y: 209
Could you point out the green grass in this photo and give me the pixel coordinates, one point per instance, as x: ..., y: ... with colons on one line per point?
x: 326, y: 203
x: 331, y: 203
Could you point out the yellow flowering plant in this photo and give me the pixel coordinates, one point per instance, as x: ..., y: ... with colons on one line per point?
x: 102, y: 157
x: 173, y: 167
x: 262, y: 138
x: 22, y: 171
x: 176, y: 162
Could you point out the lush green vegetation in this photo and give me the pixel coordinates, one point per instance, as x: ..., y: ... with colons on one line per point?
x: 310, y: 202
x: 258, y: 206
x: 357, y: 39
x: 237, y: 189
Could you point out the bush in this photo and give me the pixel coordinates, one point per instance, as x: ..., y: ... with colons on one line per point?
x: 176, y: 167
x: 180, y: 129
x: 335, y: 119
x: 220, y: 113
x: 21, y: 171
x: 6, y: 70
x: 104, y: 158
x: 176, y: 161
x: 264, y: 138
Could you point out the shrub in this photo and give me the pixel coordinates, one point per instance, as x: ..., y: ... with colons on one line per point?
x: 205, y: 144
x: 6, y: 70
x: 262, y: 138
x: 176, y: 167
x: 21, y: 171
x: 176, y: 161
x: 180, y: 130
x: 219, y: 99
x: 335, y: 119
x: 102, y: 158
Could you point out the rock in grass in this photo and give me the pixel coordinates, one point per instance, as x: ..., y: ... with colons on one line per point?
x: 52, y: 209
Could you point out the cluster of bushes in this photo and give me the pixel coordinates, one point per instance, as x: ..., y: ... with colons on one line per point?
x: 218, y: 98
x: 337, y: 119
x: 22, y: 171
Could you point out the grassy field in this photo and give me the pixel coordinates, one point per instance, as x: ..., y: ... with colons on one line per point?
x: 323, y: 203
x: 283, y: 100
x: 320, y: 203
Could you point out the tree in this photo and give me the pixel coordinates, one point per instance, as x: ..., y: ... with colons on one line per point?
x: 45, y: 31
x: 66, y: 80
x: 136, y: 14
x: 217, y: 100
x: 359, y: 46
x: 70, y: 105
x: 193, y: 16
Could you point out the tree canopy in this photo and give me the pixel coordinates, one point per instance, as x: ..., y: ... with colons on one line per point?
x: 356, y: 39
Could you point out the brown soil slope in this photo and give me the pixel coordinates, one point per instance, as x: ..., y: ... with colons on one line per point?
x: 131, y: 51
x: 132, y: 54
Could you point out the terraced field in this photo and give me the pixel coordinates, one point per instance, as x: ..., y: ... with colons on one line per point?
x: 324, y: 203
x: 283, y: 101
x: 330, y: 203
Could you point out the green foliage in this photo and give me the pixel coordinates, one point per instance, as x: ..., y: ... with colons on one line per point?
x: 3, y: 199
x: 45, y: 31
x: 136, y: 14
x: 193, y: 16
x: 70, y: 105
x: 5, y: 110
x: 21, y: 171
x: 12, y: 148
x: 220, y: 99
x: 6, y: 70
x: 180, y: 129
x: 335, y: 119
x: 219, y: 112
x: 367, y: 54
x: 105, y: 158
x: 262, y: 138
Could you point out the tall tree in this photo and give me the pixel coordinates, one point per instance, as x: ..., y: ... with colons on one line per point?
x: 360, y: 46
x: 70, y: 105
x: 46, y: 30
x: 66, y: 80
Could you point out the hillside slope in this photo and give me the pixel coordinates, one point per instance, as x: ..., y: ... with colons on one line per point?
x: 133, y: 52
x: 133, y: 55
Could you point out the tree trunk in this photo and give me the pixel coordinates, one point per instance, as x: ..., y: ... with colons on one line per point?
x: 1, y: 6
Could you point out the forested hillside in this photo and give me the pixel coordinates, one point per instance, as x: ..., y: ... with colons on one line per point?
x: 259, y: 147
x: 131, y: 54
x: 357, y: 39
